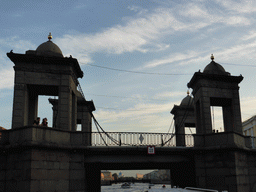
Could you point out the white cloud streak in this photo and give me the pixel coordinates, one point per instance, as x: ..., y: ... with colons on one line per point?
x: 133, y: 36
x: 173, y: 58
x: 146, y: 32
x: 242, y: 6
x: 16, y: 44
x: 169, y: 95
x: 136, y: 112
x: 6, y: 78
x: 6, y: 70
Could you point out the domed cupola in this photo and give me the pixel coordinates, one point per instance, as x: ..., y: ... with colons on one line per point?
x: 49, y: 49
x: 215, y: 68
x: 187, y: 101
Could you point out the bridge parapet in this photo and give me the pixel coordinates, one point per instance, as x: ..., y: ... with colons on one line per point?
x: 224, y: 139
x: 46, y: 136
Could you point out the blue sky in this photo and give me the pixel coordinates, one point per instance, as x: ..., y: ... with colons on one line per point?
x: 165, y: 41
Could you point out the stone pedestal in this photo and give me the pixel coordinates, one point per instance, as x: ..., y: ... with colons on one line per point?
x: 223, y: 170
x: 42, y: 159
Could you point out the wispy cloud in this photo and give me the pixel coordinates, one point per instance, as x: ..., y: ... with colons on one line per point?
x: 237, y: 20
x: 192, y: 10
x: 137, y: 9
x: 249, y: 36
x: 80, y: 5
x: 6, y: 78
x: 169, y: 95
x: 16, y: 44
x: 237, y: 51
x: 130, y: 37
x: 134, y: 112
x: 173, y: 58
x: 140, y: 34
x: 146, y: 31
x: 6, y: 70
x: 198, y: 13
x: 242, y: 6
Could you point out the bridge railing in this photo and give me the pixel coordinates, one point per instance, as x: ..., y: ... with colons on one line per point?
x: 137, y: 139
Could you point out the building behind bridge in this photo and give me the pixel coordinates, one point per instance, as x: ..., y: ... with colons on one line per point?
x: 106, y: 175
x: 161, y: 175
x: 249, y: 126
x: 139, y: 176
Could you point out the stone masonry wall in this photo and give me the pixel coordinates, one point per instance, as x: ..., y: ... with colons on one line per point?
x: 2, y: 171
x: 251, y: 160
x: 77, y: 172
x: 222, y: 170
x: 242, y: 171
x: 15, y: 175
x: 49, y: 171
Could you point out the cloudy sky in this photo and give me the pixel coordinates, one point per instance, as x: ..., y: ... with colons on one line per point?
x: 137, y: 56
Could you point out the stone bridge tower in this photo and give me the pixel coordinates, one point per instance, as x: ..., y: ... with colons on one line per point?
x: 36, y: 158
x: 216, y: 87
x: 45, y: 71
x: 184, y: 117
x: 222, y: 161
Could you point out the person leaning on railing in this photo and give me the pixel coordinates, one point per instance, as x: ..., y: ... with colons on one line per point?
x: 36, y: 121
x: 44, y: 122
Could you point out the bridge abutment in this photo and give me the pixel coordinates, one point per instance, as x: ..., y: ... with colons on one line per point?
x: 42, y: 159
x: 225, y: 169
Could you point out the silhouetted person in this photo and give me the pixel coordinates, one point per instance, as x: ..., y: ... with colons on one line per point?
x: 37, y: 121
x: 44, y: 122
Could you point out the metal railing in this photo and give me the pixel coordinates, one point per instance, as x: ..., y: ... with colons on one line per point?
x: 132, y: 139
x: 137, y: 139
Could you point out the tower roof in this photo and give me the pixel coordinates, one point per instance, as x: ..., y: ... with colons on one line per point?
x: 188, y: 100
x: 49, y: 48
x: 215, y: 68
x: 213, y: 72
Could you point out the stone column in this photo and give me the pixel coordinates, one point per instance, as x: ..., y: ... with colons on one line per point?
x: 20, y: 106
x: 237, y: 113
x: 74, y: 112
x: 86, y: 124
x: 180, y: 131
x: 228, y: 118
x: 33, y: 108
x: 206, y: 120
x: 86, y: 120
x: 64, y: 108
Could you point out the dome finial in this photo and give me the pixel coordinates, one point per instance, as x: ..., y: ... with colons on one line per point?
x: 50, y: 36
x: 212, y: 57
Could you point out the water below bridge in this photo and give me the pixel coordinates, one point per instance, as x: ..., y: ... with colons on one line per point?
x: 142, y: 187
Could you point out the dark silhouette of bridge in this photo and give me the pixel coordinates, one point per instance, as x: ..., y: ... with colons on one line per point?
x: 60, y: 158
